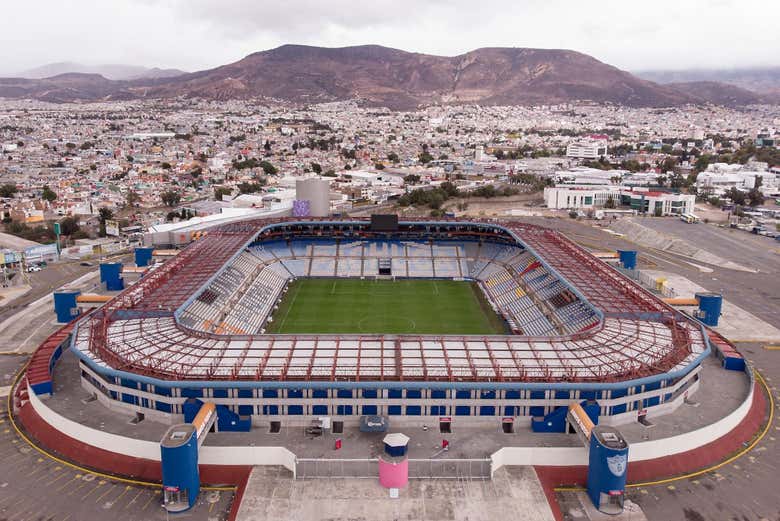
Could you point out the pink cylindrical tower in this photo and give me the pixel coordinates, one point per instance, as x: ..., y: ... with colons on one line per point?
x: 393, y: 472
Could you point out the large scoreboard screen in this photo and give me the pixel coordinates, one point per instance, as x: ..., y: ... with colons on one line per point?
x: 384, y: 223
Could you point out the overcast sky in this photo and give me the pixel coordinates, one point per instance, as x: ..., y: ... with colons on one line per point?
x: 199, y: 34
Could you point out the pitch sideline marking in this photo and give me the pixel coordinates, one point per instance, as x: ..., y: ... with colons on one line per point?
x: 287, y: 311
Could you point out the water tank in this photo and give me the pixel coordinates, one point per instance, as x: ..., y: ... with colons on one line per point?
x: 65, y: 305
x: 709, y: 307
x: 317, y: 192
x: 143, y: 257
x: 628, y: 259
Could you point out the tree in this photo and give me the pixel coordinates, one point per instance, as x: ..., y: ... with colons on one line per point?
x: 330, y: 173
x: 632, y: 165
x: 8, y: 190
x: 392, y: 156
x: 166, y: 166
x: 104, y: 214
x: 379, y: 166
x: 610, y: 202
x: 69, y: 226
x: 425, y: 157
x: 220, y: 192
x: 737, y: 196
x: 48, y: 194
x: 316, y: 168
x: 249, y: 188
x: 268, y: 168
x: 756, y: 197
x: 131, y: 198
x: 669, y: 164
x: 170, y: 198
x: 411, y: 179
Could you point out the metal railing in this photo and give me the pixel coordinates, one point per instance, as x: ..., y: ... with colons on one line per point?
x: 319, y: 468
x: 653, y: 285
x: 449, y: 468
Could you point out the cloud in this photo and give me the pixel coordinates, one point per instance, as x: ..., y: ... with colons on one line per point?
x: 196, y: 34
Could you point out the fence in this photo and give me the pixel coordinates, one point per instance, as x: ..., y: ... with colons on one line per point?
x: 315, y: 468
x: 653, y: 284
x: 449, y: 468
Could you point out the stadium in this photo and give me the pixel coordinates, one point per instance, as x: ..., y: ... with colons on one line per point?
x: 281, y: 322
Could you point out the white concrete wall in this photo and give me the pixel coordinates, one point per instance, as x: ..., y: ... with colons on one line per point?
x: 209, y: 455
x: 94, y: 437
x: 243, y: 455
x: 646, y: 450
x: 690, y: 440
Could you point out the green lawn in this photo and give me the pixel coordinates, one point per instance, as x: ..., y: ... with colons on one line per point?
x: 435, y: 307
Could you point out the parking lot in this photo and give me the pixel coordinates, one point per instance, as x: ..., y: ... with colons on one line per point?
x: 36, y: 487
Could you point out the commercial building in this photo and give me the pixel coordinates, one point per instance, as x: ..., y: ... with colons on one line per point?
x: 573, y: 197
x: 593, y: 148
x: 721, y: 177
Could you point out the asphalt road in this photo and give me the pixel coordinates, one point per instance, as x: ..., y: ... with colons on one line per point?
x: 758, y: 293
x: 54, y: 275
x: 745, y: 490
x: 35, y: 487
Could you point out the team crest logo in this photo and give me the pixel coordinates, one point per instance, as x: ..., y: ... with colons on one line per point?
x: 617, y: 464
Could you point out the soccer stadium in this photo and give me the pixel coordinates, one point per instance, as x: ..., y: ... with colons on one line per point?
x: 301, y: 342
x: 448, y: 323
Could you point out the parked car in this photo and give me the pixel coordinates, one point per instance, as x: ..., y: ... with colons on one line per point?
x: 86, y: 263
x: 31, y: 269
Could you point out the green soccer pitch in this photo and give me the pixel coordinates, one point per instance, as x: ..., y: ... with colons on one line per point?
x: 406, y: 306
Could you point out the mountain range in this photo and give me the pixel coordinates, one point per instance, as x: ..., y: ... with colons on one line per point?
x: 381, y: 76
x: 762, y: 80
x: 109, y: 71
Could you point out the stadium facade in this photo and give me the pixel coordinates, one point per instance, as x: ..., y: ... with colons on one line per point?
x: 197, y: 327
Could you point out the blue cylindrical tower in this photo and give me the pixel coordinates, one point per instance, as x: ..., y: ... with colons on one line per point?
x: 143, y: 256
x: 111, y: 276
x: 180, y: 477
x: 608, y: 463
x: 65, y: 305
x: 709, y: 307
x: 627, y: 259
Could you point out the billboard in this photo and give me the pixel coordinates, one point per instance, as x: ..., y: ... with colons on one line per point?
x: 9, y: 257
x: 41, y: 252
x: 112, y: 228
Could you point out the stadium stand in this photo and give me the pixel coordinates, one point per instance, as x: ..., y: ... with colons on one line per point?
x: 195, y: 326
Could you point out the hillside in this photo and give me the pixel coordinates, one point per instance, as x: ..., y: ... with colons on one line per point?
x: 400, y: 80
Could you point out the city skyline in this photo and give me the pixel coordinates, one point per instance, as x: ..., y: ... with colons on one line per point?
x: 202, y: 34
